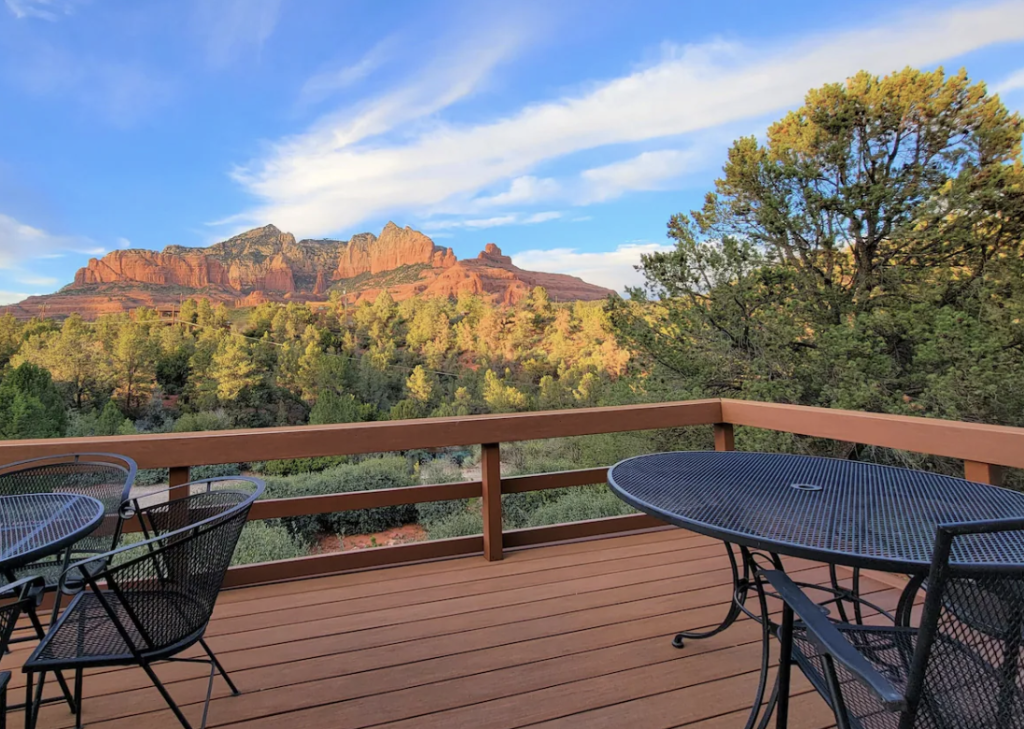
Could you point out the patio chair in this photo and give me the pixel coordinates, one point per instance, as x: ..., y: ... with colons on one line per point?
x: 152, y: 600
x: 960, y: 667
x: 15, y: 598
x: 103, y: 476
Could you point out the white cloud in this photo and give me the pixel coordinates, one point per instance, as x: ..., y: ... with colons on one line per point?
x: 233, y: 28
x: 495, y: 221
x: 10, y: 297
x: 42, y: 9
x: 646, y: 171
x: 124, y: 243
x: 323, y: 84
x: 1013, y: 82
x: 20, y: 243
x: 612, y: 269
x: 522, y: 191
x: 32, y: 280
x: 342, y: 171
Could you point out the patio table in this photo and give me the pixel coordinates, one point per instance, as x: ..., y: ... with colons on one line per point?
x: 33, y: 526
x: 838, y: 512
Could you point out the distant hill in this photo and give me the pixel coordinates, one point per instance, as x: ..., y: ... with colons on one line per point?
x: 265, y: 264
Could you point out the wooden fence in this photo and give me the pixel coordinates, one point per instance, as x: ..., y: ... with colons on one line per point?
x: 984, y: 449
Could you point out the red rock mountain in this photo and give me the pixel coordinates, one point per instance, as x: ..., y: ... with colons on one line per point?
x: 265, y: 264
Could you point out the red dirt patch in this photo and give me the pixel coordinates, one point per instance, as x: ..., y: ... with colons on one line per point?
x: 388, y: 538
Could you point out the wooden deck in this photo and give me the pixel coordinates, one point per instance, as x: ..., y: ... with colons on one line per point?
x: 572, y: 635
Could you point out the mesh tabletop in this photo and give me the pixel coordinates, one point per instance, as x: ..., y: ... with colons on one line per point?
x: 845, y: 512
x: 38, y: 525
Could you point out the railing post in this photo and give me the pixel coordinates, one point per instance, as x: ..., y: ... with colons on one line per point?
x: 490, y: 475
x: 724, y: 437
x: 179, y: 476
x: 983, y: 472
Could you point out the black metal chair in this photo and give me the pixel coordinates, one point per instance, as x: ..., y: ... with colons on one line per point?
x: 152, y: 600
x: 104, y: 476
x: 15, y: 599
x: 960, y: 667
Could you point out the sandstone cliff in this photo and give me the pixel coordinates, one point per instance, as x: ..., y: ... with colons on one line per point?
x: 266, y: 264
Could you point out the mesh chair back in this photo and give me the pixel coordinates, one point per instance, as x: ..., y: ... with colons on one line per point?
x: 103, y: 476
x: 162, y: 591
x: 967, y: 668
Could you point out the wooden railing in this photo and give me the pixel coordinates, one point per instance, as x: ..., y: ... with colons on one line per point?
x: 985, y: 450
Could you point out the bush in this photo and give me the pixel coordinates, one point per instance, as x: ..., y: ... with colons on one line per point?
x: 579, y: 504
x: 198, y: 473
x: 206, y: 420
x: 462, y: 524
x: 295, y: 466
x: 439, y: 470
x: 263, y: 542
x: 369, y: 475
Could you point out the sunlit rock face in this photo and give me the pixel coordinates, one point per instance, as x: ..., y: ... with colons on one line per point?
x: 265, y: 264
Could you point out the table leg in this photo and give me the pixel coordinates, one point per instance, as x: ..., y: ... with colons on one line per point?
x: 740, y: 588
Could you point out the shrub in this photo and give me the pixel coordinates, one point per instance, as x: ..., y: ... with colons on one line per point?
x: 294, y: 466
x: 263, y: 542
x: 369, y: 475
x: 439, y: 470
x: 198, y: 473
x: 462, y: 524
x: 579, y: 504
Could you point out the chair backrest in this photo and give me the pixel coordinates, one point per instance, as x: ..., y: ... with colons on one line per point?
x: 161, y: 591
x: 15, y: 598
x: 967, y: 668
x: 106, y: 477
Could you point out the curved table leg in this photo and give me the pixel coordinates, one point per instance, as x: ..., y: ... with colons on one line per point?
x: 740, y: 588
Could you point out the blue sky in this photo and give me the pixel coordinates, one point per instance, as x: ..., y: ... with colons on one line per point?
x: 565, y: 132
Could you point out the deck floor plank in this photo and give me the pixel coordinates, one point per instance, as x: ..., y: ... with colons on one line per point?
x: 571, y: 635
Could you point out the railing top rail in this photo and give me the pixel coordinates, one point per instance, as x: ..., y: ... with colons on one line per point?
x: 170, y: 450
x: 996, y: 444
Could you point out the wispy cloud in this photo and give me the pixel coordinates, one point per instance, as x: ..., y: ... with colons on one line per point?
x: 11, y: 297
x: 346, y: 168
x: 1013, y: 82
x: 612, y: 269
x: 231, y: 29
x: 121, y: 92
x: 646, y: 171
x: 495, y: 221
x: 42, y: 9
x: 333, y: 79
x: 23, y: 243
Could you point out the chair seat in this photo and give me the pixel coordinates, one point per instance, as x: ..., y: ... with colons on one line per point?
x: 85, y: 636
x: 968, y: 680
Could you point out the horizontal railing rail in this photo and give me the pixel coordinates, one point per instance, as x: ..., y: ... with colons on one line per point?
x: 985, y: 450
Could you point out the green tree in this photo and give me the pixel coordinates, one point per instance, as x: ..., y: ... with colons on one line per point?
x: 421, y: 385
x: 331, y: 407
x: 233, y: 369
x: 502, y: 398
x: 133, y: 364
x: 31, y: 406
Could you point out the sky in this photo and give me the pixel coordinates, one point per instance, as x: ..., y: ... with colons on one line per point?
x: 567, y: 133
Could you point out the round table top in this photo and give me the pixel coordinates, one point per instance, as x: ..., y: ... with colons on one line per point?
x: 33, y: 526
x: 825, y: 509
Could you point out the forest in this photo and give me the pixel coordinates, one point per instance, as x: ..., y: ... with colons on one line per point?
x: 866, y: 253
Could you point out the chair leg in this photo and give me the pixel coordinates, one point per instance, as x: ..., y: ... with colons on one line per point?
x: 163, y: 692
x: 4, y: 678
x: 785, y: 668
x: 220, y: 668
x: 78, y: 698
x: 65, y: 689
x: 838, y: 705
x: 30, y: 708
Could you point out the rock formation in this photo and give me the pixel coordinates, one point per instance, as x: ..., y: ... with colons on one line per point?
x: 265, y: 264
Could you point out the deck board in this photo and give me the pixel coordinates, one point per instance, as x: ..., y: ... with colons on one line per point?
x: 571, y: 635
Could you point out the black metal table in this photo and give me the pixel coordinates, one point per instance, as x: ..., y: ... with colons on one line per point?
x: 838, y: 512
x: 33, y: 526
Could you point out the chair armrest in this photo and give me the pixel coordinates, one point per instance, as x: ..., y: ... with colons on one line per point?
x: 831, y: 641
x: 31, y: 586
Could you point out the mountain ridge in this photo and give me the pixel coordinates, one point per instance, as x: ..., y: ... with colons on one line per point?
x: 267, y: 264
